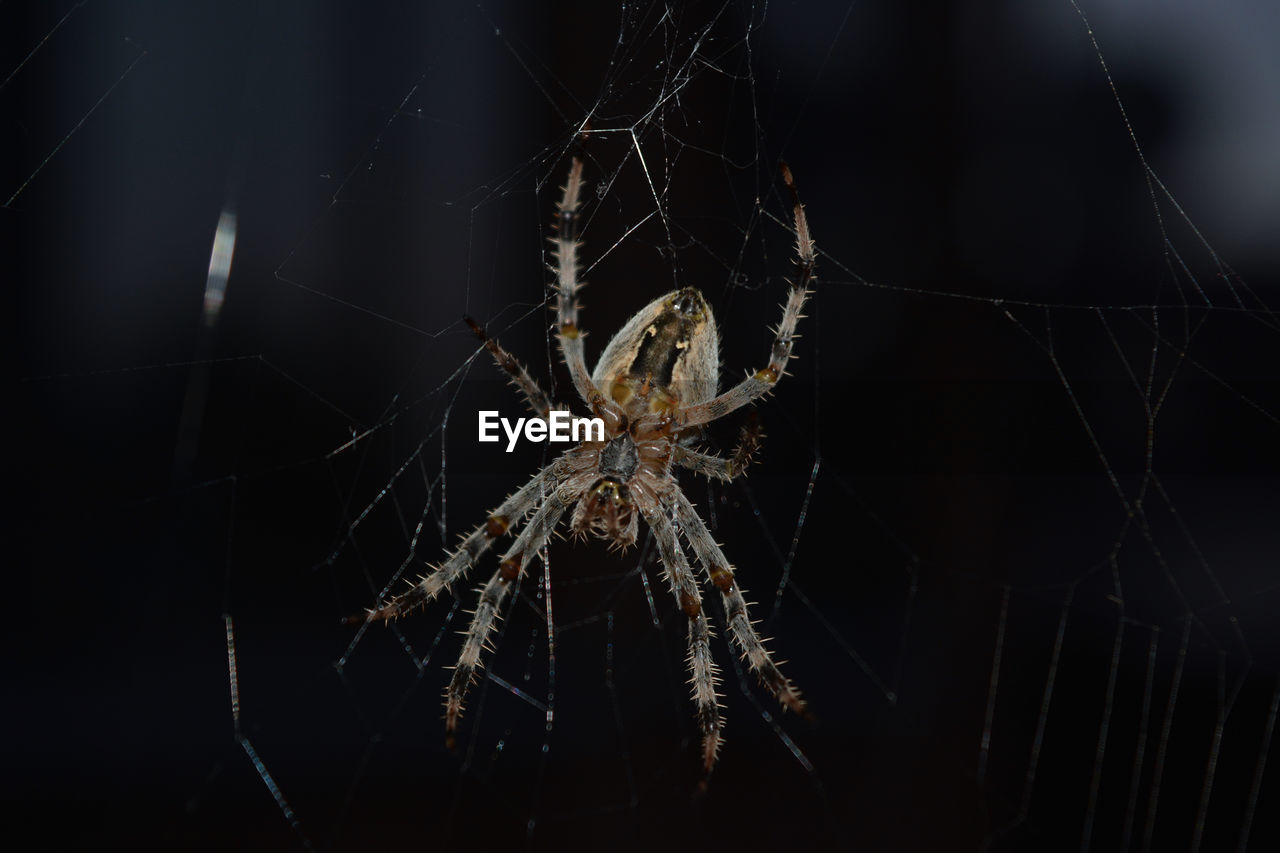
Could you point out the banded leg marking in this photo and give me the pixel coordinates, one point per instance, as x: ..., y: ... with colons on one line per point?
x: 717, y: 467
x: 763, y: 381
x: 505, y: 518
x: 748, y: 641
x: 703, y: 673
x: 519, y: 557
x: 565, y: 251
x: 534, y: 396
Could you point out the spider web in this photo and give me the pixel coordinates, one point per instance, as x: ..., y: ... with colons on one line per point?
x: 1011, y: 527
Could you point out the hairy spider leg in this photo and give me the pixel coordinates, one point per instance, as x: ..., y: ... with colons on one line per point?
x: 565, y: 251
x: 703, y: 673
x: 720, y: 574
x: 712, y: 466
x: 536, y: 399
x: 763, y: 381
x: 522, y: 554
x: 509, y: 514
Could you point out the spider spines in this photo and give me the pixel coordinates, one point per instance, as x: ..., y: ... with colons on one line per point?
x: 694, y: 679
x: 541, y: 503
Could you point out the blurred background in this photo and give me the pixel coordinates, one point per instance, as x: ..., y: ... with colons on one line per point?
x: 1012, y: 527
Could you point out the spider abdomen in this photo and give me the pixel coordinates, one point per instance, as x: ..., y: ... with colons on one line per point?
x: 666, y: 356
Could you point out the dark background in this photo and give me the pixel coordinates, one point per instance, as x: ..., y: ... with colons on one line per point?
x: 985, y: 223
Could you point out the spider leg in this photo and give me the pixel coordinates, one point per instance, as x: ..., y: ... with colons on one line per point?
x: 519, y: 557
x: 534, y: 396
x: 507, y: 516
x: 565, y: 252
x: 762, y: 381
x: 703, y: 673
x: 711, y: 466
x: 720, y: 573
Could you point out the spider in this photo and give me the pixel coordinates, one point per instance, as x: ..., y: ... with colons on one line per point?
x: 654, y: 387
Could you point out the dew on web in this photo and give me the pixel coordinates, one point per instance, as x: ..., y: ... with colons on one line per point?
x: 1010, y: 525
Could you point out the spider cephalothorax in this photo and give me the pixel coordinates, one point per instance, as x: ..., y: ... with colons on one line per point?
x: 654, y: 387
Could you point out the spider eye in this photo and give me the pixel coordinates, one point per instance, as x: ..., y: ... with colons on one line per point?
x: 688, y: 302
x: 612, y: 492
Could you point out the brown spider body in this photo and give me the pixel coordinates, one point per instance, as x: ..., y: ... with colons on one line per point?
x: 654, y: 387
x: 666, y: 356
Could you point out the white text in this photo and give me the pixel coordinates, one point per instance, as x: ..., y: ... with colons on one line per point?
x: 562, y: 426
